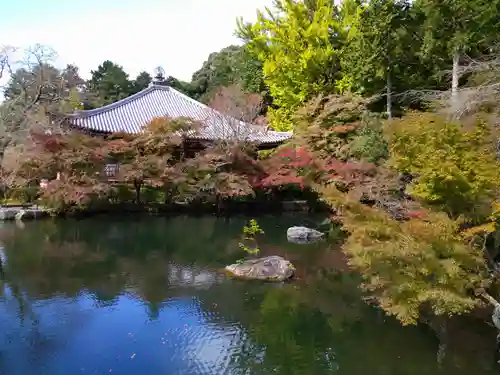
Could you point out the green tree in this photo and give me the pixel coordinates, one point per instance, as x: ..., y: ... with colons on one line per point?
x: 377, y: 49
x: 40, y: 81
x: 219, y: 70
x: 141, y: 82
x: 110, y: 82
x: 233, y: 65
x: 250, y: 72
x: 458, y: 27
x: 298, y: 58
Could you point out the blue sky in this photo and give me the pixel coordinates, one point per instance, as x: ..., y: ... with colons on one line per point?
x: 138, y: 34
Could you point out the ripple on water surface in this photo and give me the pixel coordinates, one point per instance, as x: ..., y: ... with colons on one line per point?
x: 79, y: 335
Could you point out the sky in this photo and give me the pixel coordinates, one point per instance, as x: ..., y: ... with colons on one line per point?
x: 137, y: 34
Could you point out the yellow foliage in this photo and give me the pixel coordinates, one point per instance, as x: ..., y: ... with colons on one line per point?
x: 455, y: 169
x: 408, y: 266
x: 298, y: 59
x: 489, y: 227
x: 479, y: 229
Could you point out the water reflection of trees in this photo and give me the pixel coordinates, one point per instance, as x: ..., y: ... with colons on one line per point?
x: 106, y: 257
x: 311, y: 326
x: 289, y: 335
x: 319, y: 324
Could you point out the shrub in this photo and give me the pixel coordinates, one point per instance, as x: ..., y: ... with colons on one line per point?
x: 23, y: 195
x: 454, y: 169
x: 409, y: 267
x: 369, y: 143
x: 250, y: 231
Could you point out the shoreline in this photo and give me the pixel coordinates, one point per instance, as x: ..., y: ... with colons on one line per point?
x: 9, y: 212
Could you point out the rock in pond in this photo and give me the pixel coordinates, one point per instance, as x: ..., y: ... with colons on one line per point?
x: 303, y: 241
x: 302, y: 234
x: 271, y: 268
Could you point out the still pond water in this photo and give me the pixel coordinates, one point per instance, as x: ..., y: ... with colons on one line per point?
x: 137, y: 296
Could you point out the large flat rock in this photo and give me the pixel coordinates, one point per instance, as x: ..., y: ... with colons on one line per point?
x: 271, y: 268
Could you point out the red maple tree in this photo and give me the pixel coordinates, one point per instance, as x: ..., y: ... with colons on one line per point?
x: 71, y: 162
x: 299, y: 166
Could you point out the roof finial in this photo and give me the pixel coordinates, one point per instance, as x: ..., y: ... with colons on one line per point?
x: 159, y: 77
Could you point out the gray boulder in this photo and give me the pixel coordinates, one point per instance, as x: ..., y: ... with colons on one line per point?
x: 303, y: 234
x: 271, y: 268
x: 303, y: 241
x: 8, y: 213
x: 21, y: 213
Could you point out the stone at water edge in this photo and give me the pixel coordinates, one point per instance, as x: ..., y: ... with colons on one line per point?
x: 21, y: 213
x: 271, y: 268
x: 30, y: 213
x: 302, y: 241
x: 8, y: 213
x: 303, y: 233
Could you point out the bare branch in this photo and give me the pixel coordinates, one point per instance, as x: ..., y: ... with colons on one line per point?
x: 490, y: 63
x: 35, y: 90
x: 6, y: 53
x: 234, y: 111
x: 489, y: 298
x: 483, y: 88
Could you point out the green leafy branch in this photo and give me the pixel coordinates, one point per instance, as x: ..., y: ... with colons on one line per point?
x: 249, y: 233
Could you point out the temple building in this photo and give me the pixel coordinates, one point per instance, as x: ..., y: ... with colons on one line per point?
x: 131, y: 114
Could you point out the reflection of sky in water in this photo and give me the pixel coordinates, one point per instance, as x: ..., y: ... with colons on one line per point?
x: 76, y: 336
x: 3, y: 257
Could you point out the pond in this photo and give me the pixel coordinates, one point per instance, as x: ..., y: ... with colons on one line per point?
x: 144, y: 295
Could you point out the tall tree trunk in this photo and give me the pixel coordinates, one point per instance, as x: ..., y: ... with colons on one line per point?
x: 389, y: 93
x: 454, y: 83
x: 495, y: 317
x: 388, y: 61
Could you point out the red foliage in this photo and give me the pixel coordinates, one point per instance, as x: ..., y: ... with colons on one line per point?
x: 47, y: 142
x: 415, y: 214
x: 116, y: 146
x: 298, y: 166
x: 343, y: 129
x: 216, y: 172
x: 70, y: 192
x: 346, y: 172
x: 296, y: 157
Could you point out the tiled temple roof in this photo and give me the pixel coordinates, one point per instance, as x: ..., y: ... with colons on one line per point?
x: 131, y: 114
